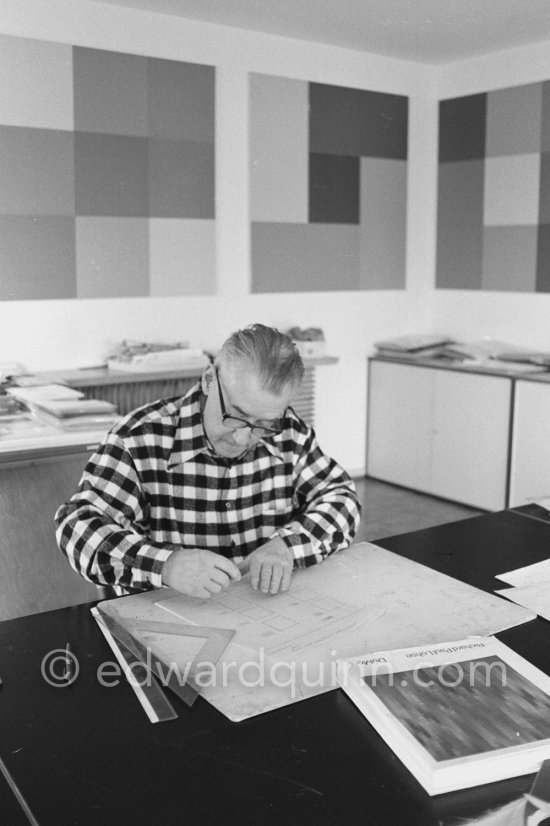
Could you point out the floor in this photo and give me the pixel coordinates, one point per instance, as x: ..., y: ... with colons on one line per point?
x: 389, y: 510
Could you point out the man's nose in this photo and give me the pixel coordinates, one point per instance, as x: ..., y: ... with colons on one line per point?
x: 242, y: 435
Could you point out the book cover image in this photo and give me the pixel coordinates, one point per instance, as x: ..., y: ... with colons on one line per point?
x: 458, y: 714
x: 459, y: 710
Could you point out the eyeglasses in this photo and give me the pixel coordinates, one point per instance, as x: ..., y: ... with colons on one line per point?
x: 236, y: 423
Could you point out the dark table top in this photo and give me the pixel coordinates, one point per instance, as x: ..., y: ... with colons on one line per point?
x: 87, y: 754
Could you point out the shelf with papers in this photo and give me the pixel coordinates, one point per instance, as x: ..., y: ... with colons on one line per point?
x: 25, y: 439
x: 130, y: 390
x: 35, y: 440
x: 486, y: 367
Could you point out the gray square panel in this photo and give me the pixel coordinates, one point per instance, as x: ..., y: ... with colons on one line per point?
x: 333, y: 189
x: 279, y: 149
x: 383, y: 223
x: 38, y: 257
x: 111, y: 175
x: 37, y: 83
x: 460, y: 225
x: 545, y: 117
x: 544, y: 193
x: 36, y: 171
x: 462, y: 128
x: 110, y: 92
x: 543, y: 259
x: 181, y: 100
x: 509, y: 258
x: 112, y: 257
x: 182, y: 256
x: 512, y: 190
x: 181, y: 179
x: 357, y: 122
x: 304, y: 257
x: 514, y: 120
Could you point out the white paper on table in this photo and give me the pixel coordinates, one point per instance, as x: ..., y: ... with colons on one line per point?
x: 535, y: 596
x: 362, y: 599
x: 529, y: 574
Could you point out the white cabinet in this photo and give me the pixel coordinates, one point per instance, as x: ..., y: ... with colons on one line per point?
x: 530, y: 466
x: 440, y: 431
x: 399, y: 434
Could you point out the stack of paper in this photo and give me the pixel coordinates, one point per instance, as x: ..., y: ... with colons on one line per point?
x: 153, y: 356
x: 526, y: 357
x: 531, y: 587
x: 492, y: 354
x: 66, y: 408
x: 176, y: 359
x: 77, y: 414
x: 486, y: 348
x: 413, y: 346
x: 45, y: 392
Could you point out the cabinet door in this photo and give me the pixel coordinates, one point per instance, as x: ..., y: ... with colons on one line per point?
x: 399, y: 439
x: 530, y: 466
x: 470, y: 438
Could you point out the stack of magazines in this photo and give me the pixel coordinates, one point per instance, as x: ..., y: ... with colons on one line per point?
x: 66, y: 408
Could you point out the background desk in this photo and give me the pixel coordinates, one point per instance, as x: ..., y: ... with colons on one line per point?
x: 87, y: 754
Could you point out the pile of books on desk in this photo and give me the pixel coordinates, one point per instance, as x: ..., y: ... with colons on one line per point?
x: 66, y: 408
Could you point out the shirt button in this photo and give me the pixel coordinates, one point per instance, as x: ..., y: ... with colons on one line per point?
x: 228, y: 505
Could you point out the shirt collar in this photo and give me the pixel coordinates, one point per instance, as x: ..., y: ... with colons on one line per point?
x: 190, y: 439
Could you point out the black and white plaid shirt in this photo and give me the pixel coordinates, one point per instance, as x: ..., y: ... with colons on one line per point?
x: 154, y: 486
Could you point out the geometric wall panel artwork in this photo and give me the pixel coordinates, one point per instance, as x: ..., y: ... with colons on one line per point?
x: 106, y: 174
x: 328, y: 187
x: 494, y: 190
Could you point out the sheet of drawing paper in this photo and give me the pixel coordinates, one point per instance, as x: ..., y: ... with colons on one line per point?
x: 365, y: 598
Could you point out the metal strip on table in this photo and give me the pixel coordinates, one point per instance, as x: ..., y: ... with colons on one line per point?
x: 153, y: 700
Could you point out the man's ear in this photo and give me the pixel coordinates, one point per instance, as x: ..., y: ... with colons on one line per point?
x: 206, y: 379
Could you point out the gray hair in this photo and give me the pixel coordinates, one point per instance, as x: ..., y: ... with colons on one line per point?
x: 272, y: 355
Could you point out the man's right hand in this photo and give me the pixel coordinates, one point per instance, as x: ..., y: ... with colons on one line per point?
x: 198, y: 573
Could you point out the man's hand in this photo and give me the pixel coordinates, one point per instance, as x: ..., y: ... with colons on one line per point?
x: 199, y: 573
x: 271, y: 567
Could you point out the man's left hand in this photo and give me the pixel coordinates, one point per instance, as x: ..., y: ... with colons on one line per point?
x: 271, y: 567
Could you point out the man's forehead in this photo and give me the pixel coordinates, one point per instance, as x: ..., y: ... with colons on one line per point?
x: 247, y: 391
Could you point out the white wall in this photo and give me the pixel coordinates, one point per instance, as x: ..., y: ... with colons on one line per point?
x: 73, y: 333
x: 517, y: 318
